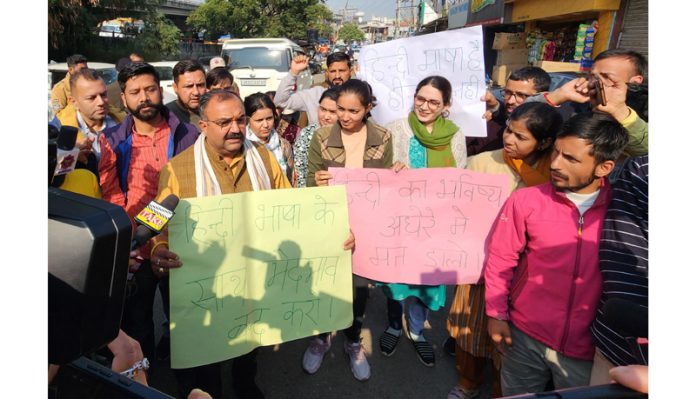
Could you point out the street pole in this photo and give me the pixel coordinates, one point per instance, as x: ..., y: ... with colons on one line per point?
x: 398, y: 23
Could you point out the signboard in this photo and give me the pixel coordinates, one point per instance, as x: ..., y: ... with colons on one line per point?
x: 421, y: 226
x: 394, y: 68
x: 259, y: 268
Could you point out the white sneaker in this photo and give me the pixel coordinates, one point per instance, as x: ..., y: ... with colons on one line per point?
x: 358, y: 361
x: 314, y: 355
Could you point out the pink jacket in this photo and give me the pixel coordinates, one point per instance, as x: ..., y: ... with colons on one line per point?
x: 542, y: 270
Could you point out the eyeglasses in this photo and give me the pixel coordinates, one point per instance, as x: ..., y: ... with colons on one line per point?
x: 432, y: 104
x: 227, y: 123
x: 518, y: 96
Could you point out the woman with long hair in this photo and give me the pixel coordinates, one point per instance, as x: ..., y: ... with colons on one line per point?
x: 353, y: 142
x: 425, y: 139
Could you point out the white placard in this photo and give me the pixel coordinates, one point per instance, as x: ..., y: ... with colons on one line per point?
x: 394, y: 68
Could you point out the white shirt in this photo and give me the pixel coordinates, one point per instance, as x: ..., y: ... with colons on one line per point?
x: 108, y: 122
x: 582, y: 201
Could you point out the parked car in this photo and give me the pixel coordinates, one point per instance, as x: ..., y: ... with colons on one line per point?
x: 165, y: 69
x: 258, y: 65
x: 58, y: 70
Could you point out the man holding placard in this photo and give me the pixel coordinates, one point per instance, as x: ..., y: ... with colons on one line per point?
x: 221, y: 161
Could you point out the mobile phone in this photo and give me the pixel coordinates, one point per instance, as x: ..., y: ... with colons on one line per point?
x: 599, y: 94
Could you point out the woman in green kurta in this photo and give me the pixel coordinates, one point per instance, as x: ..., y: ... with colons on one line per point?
x: 426, y: 139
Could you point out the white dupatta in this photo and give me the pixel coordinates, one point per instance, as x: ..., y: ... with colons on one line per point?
x: 206, y: 182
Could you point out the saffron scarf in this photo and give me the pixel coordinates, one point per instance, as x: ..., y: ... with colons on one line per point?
x: 531, y: 175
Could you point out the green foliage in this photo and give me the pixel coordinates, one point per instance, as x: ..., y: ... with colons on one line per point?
x: 350, y: 32
x: 73, y: 23
x: 259, y: 18
x: 160, y: 35
x: 72, y: 28
x: 319, y: 17
x: 215, y: 16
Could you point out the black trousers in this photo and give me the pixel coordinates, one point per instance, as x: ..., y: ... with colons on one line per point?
x: 209, y: 377
x: 137, y: 319
x: 360, y: 296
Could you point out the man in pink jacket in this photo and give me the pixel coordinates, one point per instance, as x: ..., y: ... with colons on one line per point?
x: 542, y: 272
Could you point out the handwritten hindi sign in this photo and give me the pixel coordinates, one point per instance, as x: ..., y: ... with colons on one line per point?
x: 421, y: 226
x: 259, y: 268
x: 394, y: 69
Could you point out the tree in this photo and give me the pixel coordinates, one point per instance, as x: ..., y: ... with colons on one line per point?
x: 258, y: 18
x: 350, y: 32
x: 160, y: 36
x: 215, y: 16
x: 72, y: 23
x: 72, y: 28
x: 319, y: 17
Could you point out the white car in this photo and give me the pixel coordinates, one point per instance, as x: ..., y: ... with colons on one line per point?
x: 258, y: 65
x: 165, y: 68
x: 58, y: 70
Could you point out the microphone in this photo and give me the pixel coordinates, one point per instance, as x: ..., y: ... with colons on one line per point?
x: 66, y: 154
x: 152, y: 219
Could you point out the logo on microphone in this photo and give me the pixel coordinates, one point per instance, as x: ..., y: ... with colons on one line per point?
x: 154, y: 216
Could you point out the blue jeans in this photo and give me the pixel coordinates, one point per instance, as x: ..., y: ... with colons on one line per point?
x: 416, y: 314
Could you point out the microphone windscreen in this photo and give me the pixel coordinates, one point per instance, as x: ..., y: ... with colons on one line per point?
x: 170, y: 202
x: 66, y: 138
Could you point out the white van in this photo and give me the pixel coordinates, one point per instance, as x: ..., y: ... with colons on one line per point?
x: 258, y: 65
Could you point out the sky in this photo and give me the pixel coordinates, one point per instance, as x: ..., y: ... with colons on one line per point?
x: 377, y: 8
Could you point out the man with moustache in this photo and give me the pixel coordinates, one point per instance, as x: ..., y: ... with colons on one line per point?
x: 90, y: 112
x: 543, y: 282
x: 337, y: 73
x: 222, y: 161
x: 132, y: 155
x: 189, y: 86
x: 522, y: 83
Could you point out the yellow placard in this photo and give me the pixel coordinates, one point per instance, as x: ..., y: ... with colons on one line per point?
x: 259, y: 268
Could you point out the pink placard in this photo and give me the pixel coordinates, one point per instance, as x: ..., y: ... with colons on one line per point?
x: 421, y: 226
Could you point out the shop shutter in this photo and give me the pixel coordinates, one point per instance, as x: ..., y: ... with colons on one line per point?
x: 634, y: 34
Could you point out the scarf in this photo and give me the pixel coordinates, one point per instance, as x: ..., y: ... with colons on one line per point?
x: 206, y: 182
x: 273, y: 145
x: 438, y: 143
x: 531, y: 175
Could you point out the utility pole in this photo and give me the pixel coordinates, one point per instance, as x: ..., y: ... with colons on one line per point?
x: 398, y: 22
x: 411, y: 23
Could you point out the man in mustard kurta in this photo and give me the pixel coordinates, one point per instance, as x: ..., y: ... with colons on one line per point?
x: 222, y: 161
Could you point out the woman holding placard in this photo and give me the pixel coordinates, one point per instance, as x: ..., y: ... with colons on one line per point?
x: 526, y: 157
x: 353, y: 142
x: 425, y: 139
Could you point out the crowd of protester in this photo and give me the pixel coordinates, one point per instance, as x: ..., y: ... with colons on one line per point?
x: 539, y: 313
